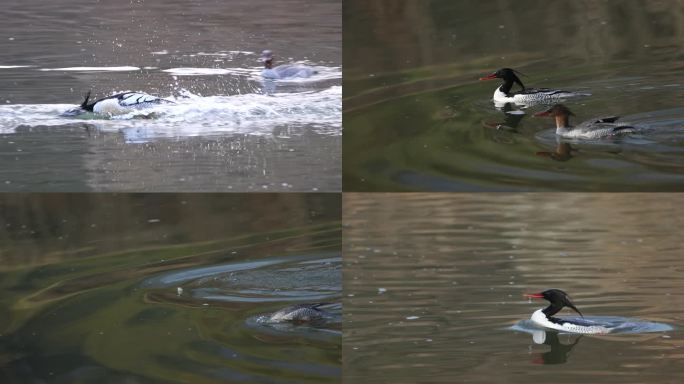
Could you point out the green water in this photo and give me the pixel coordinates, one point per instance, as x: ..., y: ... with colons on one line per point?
x: 418, y: 119
x: 90, y: 288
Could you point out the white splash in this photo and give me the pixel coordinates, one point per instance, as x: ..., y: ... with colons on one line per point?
x: 93, y: 69
x: 188, y: 71
x: 281, y: 114
x: 15, y: 66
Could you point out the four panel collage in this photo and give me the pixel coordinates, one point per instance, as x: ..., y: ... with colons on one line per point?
x: 341, y: 191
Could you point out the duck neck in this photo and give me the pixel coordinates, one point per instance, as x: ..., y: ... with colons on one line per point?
x: 562, y: 121
x: 508, y: 84
x: 552, y: 309
x: 506, y: 87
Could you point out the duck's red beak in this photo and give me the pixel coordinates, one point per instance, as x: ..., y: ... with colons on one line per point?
x: 489, y: 77
x: 534, y: 295
x: 542, y: 114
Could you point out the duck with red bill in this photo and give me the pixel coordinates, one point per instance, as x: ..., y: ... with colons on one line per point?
x: 526, y: 96
x: 557, y: 301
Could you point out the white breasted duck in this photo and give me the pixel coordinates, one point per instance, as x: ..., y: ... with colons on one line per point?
x: 284, y: 71
x: 118, y: 104
x: 559, y: 299
x: 525, y: 96
x: 590, y: 129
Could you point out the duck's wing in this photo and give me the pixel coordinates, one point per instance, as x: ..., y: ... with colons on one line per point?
x: 545, y: 91
x: 130, y: 99
x: 607, y: 119
x: 624, y: 128
x: 593, y: 130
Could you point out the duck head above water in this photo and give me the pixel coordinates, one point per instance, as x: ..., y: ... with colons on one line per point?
x: 560, y: 112
x: 267, y: 58
x: 509, y: 77
x: 558, y: 300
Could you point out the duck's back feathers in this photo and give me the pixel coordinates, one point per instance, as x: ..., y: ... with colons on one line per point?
x: 607, y: 119
x: 300, y: 313
x: 125, y: 102
x: 120, y: 103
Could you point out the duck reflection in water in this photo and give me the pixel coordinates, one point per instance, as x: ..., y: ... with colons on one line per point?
x: 512, y: 118
x: 510, y: 123
x: 559, y: 352
x: 563, y: 152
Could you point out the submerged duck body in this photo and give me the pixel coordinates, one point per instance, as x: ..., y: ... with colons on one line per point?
x: 284, y: 71
x: 288, y: 71
x: 591, y: 129
x: 526, y: 96
x: 117, y: 104
x: 301, y: 313
x: 558, y: 300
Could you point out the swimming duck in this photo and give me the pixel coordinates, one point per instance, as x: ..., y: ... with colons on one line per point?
x: 301, y: 313
x: 526, y: 96
x: 591, y: 129
x: 284, y: 71
x: 118, y: 104
x: 557, y: 301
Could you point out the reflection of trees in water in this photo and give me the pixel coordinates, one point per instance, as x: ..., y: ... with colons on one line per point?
x: 40, y: 228
x: 400, y: 34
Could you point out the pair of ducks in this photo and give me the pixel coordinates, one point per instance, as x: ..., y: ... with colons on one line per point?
x: 126, y: 102
x: 591, y: 129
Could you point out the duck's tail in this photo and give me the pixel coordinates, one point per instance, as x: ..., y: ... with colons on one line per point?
x: 85, y: 105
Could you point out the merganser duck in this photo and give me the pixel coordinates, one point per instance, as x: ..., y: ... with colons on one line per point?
x: 284, y: 71
x: 526, y: 96
x: 118, y: 104
x: 559, y: 299
x: 591, y: 129
x: 301, y: 313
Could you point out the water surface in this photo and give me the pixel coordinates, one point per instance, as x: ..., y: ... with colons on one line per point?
x: 434, y: 284
x: 418, y: 119
x: 228, y: 131
x: 163, y: 288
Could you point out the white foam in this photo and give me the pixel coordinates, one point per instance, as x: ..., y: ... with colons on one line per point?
x: 15, y: 66
x: 225, y: 53
x: 197, y: 71
x: 94, y: 69
x: 323, y: 73
x: 282, y: 115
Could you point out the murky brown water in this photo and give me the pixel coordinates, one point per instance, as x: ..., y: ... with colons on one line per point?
x: 434, y: 281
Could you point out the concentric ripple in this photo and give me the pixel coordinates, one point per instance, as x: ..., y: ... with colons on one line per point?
x: 299, y: 278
